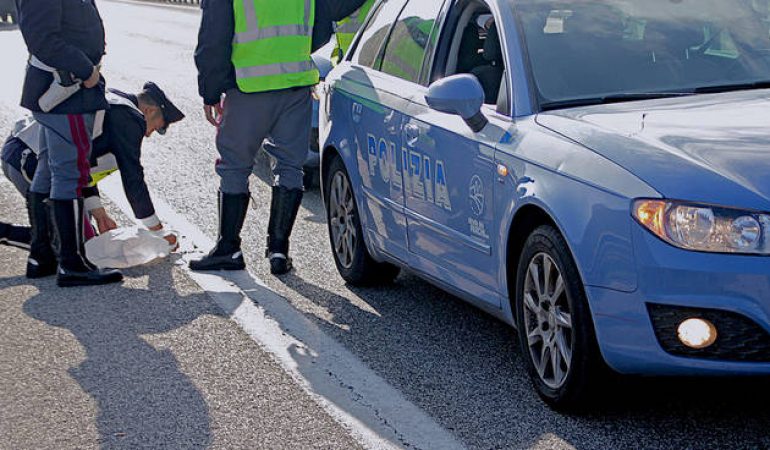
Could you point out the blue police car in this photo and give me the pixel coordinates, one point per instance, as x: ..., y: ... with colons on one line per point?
x: 595, y: 173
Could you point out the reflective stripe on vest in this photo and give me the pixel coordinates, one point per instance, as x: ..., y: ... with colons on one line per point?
x: 272, y: 44
x: 255, y: 33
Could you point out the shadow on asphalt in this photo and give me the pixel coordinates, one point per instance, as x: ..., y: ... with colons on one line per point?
x: 141, y: 393
x: 471, y: 379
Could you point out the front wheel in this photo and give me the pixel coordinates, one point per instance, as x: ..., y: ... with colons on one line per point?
x: 354, y: 263
x: 555, y: 327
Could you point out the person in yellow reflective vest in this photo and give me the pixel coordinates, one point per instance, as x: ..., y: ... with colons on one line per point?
x: 255, y: 75
x: 348, y: 27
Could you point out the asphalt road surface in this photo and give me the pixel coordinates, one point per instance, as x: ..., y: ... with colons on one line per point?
x: 158, y: 362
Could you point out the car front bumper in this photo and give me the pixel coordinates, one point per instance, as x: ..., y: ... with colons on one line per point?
x: 724, y: 287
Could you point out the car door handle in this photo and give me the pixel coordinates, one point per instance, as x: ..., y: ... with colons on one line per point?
x: 411, y: 134
x: 357, y: 112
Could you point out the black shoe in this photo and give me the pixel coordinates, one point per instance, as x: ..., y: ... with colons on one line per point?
x: 15, y: 236
x: 227, y: 254
x: 98, y: 277
x: 37, y: 270
x: 280, y: 264
x: 74, y: 267
x: 212, y: 262
x: 283, y: 213
x: 42, y: 259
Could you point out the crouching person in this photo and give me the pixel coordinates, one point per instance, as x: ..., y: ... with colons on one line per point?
x: 117, y: 147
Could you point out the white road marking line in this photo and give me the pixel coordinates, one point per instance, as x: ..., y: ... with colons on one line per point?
x: 375, y: 413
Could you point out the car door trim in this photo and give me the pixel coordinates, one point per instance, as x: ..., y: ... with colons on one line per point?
x: 449, y: 233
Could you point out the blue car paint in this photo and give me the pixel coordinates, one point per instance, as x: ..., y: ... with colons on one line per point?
x: 723, y: 158
x: 671, y: 276
x: 376, y: 124
x: 451, y: 233
x: 461, y: 95
x: 583, y: 167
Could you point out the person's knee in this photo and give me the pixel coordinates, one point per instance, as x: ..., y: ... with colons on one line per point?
x: 17, y: 179
x: 66, y: 185
x: 41, y: 185
x: 62, y: 192
x: 234, y: 181
x: 288, y: 177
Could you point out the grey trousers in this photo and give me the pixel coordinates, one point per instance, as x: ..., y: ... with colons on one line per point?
x: 65, y: 146
x: 283, y: 118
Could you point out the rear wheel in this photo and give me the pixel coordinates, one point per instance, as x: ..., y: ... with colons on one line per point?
x: 554, y: 323
x: 354, y: 263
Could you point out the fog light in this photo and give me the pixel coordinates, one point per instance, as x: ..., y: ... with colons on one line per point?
x: 697, y: 333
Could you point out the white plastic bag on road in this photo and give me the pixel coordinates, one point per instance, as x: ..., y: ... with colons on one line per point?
x: 127, y: 247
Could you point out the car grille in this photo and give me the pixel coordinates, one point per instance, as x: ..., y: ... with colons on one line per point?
x: 738, y: 338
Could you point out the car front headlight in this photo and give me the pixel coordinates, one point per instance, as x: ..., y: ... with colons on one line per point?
x: 705, y: 228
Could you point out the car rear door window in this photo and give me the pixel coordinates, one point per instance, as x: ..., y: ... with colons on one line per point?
x: 406, y: 49
x: 376, y: 33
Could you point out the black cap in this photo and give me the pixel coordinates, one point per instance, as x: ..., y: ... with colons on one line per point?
x: 171, y: 114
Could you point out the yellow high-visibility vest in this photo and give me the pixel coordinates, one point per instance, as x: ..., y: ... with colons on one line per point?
x: 273, y: 44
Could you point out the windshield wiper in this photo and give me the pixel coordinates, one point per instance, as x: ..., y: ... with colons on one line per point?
x: 607, y: 99
x: 764, y: 84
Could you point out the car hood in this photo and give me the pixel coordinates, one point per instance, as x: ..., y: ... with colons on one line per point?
x: 706, y: 148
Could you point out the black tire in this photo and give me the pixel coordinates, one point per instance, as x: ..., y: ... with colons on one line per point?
x: 586, y: 369
x: 361, y: 269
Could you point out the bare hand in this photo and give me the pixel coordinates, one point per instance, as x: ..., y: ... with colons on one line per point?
x: 172, y: 241
x: 214, y: 114
x: 103, y: 221
x: 93, y: 80
x: 170, y: 237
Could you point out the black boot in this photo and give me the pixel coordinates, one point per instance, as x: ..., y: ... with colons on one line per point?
x: 42, y: 259
x: 283, y: 213
x: 74, y: 267
x: 227, y: 254
x: 15, y: 236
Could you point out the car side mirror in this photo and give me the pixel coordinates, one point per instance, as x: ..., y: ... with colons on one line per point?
x: 461, y: 95
x: 323, y: 64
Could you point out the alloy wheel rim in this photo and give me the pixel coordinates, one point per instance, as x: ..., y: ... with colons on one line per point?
x: 548, y: 321
x: 342, y: 223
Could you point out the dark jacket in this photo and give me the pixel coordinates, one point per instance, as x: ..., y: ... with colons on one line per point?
x: 215, y: 41
x: 123, y: 134
x: 67, y: 35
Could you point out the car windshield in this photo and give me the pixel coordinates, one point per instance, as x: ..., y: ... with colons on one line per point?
x: 586, y: 52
